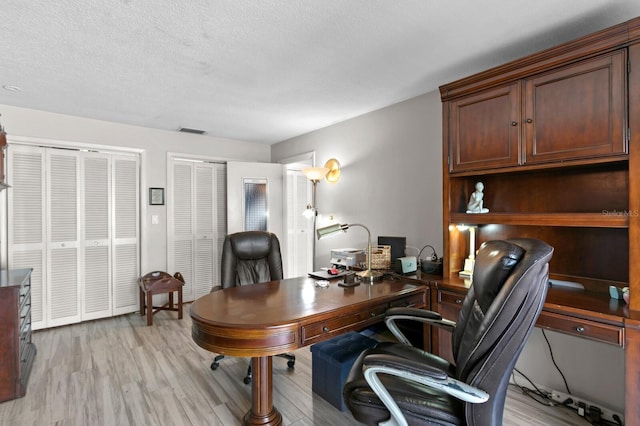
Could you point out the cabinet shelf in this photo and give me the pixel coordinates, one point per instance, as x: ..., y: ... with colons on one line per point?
x: 587, y: 220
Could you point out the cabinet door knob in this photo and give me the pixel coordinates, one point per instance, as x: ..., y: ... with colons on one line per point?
x: 580, y: 329
x: 514, y: 123
x: 529, y: 120
x: 325, y: 328
x: 458, y: 301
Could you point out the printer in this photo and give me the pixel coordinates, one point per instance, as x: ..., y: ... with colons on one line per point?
x: 348, y: 257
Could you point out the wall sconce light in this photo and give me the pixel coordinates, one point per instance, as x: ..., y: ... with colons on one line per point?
x: 368, y: 275
x: 333, y: 175
x: 469, y: 262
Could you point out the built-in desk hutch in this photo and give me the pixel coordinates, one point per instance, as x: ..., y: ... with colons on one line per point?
x: 554, y: 138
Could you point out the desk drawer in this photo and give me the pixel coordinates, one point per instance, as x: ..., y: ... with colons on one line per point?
x: 337, y: 325
x: 451, y: 298
x: 587, y: 329
x: 415, y: 301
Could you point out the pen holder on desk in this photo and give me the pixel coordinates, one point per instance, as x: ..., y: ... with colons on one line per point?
x: 350, y: 277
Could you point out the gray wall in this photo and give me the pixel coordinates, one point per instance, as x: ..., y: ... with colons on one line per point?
x: 392, y: 182
x: 391, y: 175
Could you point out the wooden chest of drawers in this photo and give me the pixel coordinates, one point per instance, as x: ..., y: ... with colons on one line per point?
x: 17, y: 351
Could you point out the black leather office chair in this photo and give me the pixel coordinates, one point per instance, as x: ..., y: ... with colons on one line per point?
x: 415, y: 387
x: 250, y: 257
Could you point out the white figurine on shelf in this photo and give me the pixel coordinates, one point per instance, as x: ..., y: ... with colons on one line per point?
x: 475, y: 201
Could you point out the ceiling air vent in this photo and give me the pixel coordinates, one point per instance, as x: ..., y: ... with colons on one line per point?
x: 188, y: 130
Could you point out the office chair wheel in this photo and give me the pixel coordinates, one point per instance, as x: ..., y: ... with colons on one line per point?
x: 214, y: 365
x: 290, y: 364
x: 247, y: 380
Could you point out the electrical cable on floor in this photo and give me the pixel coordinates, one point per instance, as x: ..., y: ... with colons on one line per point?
x: 546, y: 400
x: 554, y: 362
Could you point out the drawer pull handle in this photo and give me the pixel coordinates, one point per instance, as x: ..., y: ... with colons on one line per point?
x: 325, y: 328
x: 458, y: 301
x: 372, y: 314
x: 580, y: 329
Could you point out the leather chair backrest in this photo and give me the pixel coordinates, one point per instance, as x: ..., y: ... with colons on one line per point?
x: 250, y: 257
x: 497, y: 316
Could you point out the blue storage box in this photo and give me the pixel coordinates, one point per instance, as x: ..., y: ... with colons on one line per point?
x: 331, y: 362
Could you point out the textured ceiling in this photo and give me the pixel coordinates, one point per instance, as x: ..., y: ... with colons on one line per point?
x: 266, y: 70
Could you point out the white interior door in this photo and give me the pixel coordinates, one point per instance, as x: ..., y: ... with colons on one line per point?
x: 196, y: 223
x: 96, y: 236
x: 300, y: 232
x: 63, y: 237
x: 254, y: 197
x: 26, y: 215
x: 73, y: 218
x: 125, y: 231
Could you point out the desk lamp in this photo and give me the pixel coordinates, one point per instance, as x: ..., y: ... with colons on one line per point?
x: 369, y: 274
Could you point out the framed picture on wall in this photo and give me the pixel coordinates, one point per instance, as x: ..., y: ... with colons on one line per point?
x: 156, y: 196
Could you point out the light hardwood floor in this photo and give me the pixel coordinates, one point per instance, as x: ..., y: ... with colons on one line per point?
x: 118, y: 372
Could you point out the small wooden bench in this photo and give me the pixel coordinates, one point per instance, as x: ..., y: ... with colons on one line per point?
x: 158, y: 282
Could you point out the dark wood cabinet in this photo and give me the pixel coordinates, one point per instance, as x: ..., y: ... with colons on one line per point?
x: 484, y: 129
x: 571, y: 113
x: 17, y: 351
x: 577, y: 111
x: 554, y: 138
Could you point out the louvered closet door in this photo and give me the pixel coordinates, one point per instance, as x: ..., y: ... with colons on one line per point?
x: 204, y: 232
x: 96, y: 247
x: 220, y: 216
x: 26, y: 213
x: 63, y: 239
x: 197, y: 223
x: 182, y: 244
x: 210, y: 218
x: 126, y: 251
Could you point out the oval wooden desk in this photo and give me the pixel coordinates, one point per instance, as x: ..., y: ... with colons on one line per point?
x: 263, y: 320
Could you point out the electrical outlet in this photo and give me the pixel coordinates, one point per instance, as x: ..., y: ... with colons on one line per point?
x: 577, y: 403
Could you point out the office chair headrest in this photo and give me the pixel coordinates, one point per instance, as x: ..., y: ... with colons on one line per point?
x: 251, y: 245
x: 495, y: 261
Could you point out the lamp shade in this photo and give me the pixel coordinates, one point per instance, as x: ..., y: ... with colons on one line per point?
x: 315, y: 173
x: 331, y: 230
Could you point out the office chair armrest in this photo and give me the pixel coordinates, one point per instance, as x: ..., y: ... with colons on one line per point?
x: 414, y: 314
x: 375, y: 364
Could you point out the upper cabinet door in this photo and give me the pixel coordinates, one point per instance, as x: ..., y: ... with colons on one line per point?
x: 577, y: 112
x: 484, y: 130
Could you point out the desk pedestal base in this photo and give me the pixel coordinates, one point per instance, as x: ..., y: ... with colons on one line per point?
x: 262, y: 412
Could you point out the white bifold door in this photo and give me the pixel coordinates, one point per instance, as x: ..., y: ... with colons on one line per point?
x: 73, y: 218
x: 197, y: 223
